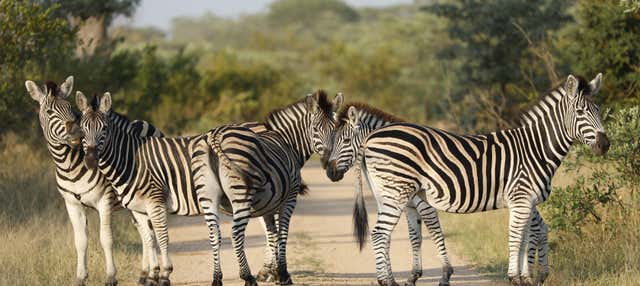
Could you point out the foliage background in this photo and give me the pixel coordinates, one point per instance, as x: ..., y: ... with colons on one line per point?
x: 465, y: 65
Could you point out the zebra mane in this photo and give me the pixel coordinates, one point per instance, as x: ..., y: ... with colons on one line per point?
x: 51, y: 87
x: 343, y: 115
x: 324, y: 103
x: 550, y: 99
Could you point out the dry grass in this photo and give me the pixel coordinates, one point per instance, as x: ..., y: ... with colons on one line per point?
x: 603, y: 254
x: 37, y: 239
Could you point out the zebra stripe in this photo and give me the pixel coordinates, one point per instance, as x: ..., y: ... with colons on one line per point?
x: 463, y: 174
x: 80, y: 187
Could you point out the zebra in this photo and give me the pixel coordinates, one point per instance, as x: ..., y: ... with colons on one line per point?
x: 354, y: 122
x: 80, y: 187
x: 473, y: 173
x: 196, y: 175
x: 288, y: 138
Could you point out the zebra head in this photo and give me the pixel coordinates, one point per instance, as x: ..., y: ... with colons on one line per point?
x: 94, y: 125
x: 582, y: 115
x: 347, y: 137
x: 57, y: 119
x: 322, y: 119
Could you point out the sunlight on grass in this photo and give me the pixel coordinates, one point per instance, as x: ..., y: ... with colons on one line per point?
x: 37, y: 239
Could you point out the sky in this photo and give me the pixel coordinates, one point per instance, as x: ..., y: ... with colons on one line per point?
x: 158, y: 13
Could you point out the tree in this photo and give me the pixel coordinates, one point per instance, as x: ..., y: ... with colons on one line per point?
x: 92, y: 17
x: 605, y: 39
x: 309, y: 12
x: 35, y: 45
x: 493, y: 39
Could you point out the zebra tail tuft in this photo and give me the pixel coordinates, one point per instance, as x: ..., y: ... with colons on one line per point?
x: 304, y: 189
x: 360, y: 218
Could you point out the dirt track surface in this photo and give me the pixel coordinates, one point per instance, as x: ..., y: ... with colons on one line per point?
x: 321, y: 249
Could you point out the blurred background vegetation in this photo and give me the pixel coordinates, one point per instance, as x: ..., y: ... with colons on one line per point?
x: 465, y: 65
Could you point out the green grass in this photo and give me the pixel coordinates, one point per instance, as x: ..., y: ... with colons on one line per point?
x: 37, y: 239
x: 603, y: 254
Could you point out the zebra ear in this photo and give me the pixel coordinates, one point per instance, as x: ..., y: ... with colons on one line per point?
x: 353, y: 116
x: 571, y: 86
x: 81, y: 102
x: 337, y: 101
x: 33, y: 89
x: 105, y: 102
x: 66, y: 87
x: 312, y: 103
x: 595, y: 84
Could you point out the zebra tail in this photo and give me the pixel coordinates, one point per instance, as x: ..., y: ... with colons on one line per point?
x: 360, y: 218
x: 215, y: 143
x: 304, y: 189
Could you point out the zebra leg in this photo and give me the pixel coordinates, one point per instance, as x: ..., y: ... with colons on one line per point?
x: 543, y: 248
x: 284, y: 217
x: 241, y: 215
x: 429, y: 216
x: 415, y: 237
x: 158, y: 215
x: 269, y: 271
x: 210, y: 208
x: 533, y: 246
x: 150, y: 267
x: 106, y: 241
x: 388, y: 217
x: 78, y: 220
x: 519, y: 219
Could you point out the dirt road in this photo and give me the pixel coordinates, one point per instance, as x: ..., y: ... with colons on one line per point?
x: 321, y: 249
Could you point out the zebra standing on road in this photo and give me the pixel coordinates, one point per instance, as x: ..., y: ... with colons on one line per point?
x: 464, y: 174
x: 183, y: 174
x: 353, y: 124
x: 287, y: 139
x: 81, y: 187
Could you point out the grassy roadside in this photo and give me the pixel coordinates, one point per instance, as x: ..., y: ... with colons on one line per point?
x: 603, y: 254
x: 37, y: 239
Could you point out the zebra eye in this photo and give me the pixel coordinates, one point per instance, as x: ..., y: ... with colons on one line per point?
x: 49, y: 112
x: 580, y: 112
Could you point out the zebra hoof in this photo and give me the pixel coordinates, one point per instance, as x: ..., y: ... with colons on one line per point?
x: 150, y: 282
x: 527, y: 281
x: 443, y: 283
x: 79, y: 282
x: 250, y: 282
x: 267, y: 275
x: 164, y: 282
x: 410, y: 283
x: 217, y: 282
x: 286, y: 279
x: 515, y: 281
x: 142, y: 280
x: 112, y: 283
x: 388, y: 283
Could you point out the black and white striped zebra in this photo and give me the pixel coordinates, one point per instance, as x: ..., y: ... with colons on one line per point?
x: 184, y: 174
x: 473, y: 173
x: 80, y: 187
x: 287, y: 139
x: 354, y: 122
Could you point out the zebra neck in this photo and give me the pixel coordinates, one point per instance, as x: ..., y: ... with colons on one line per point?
x: 66, y: 158
x: 118, y: 147
x: 545, y: 142
x: 293, y: 125
x: 370, y: 122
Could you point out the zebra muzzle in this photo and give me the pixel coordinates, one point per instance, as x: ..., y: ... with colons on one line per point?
x: 332, y: 171
x: 91, y: 158
x: 602, y: 144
